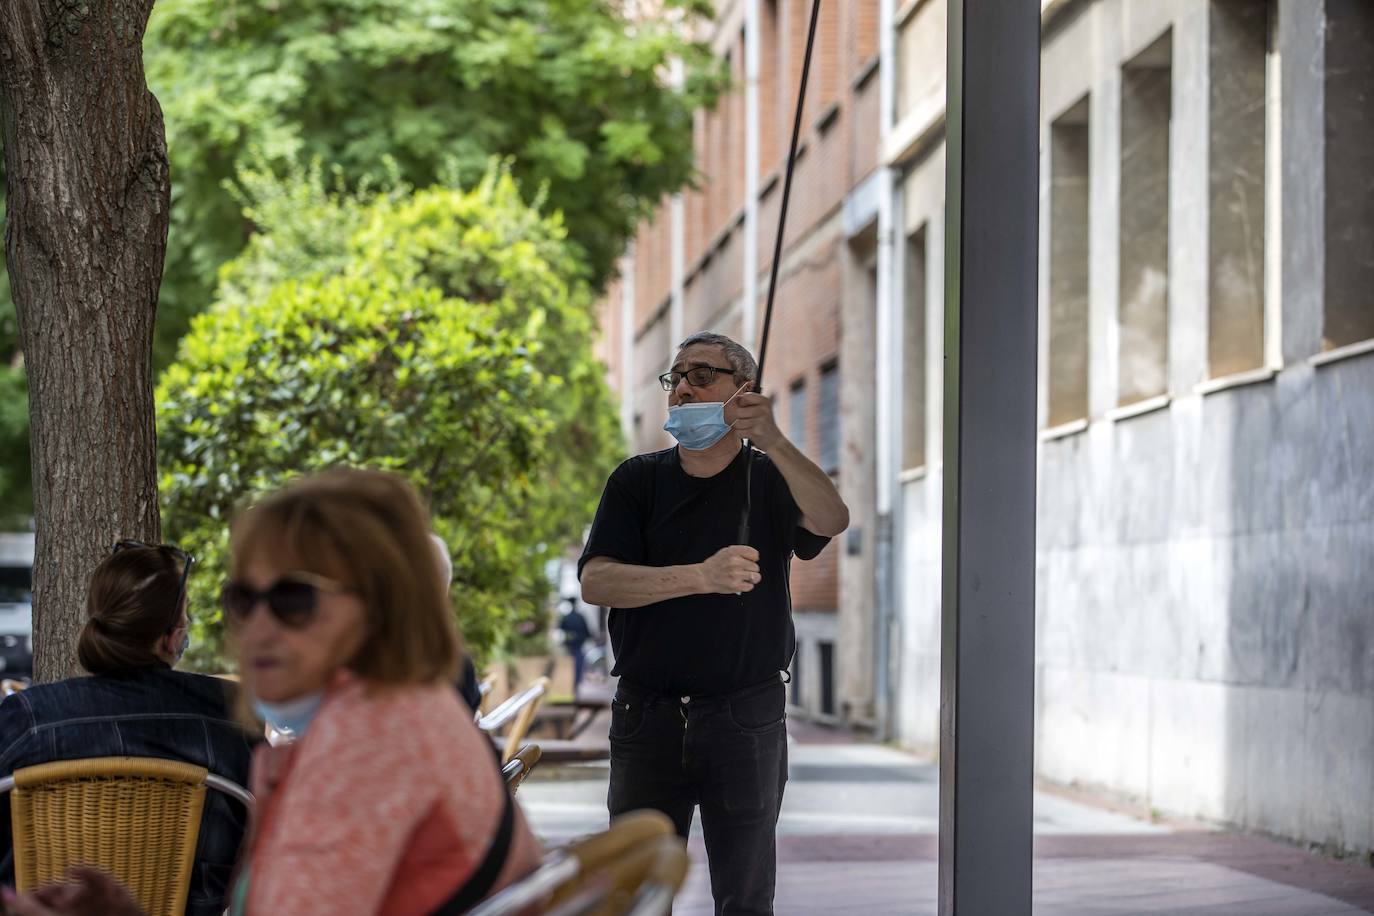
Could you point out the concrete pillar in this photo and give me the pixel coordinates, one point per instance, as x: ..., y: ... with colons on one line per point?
x: 1105, y: 206
x: 1189, y: 194
x: 1302, y: 55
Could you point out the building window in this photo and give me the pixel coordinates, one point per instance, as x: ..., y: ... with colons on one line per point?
x: 1348, y: 279
x: 830, y: 418
x: 827, y: 650
x: 914, y: 351
x: 1238, y: 48
x: 1070, y: 194
x: 921, y: 51
x: 1143, y: 316
x: 796, y: 414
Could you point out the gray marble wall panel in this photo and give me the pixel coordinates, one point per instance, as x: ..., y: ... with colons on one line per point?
x: 1205, y: 591
x: 1238, y: 559
x: 1205, y: 571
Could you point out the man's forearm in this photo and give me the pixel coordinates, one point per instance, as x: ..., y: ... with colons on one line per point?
x: 611, y: 583
x: 823, y: 511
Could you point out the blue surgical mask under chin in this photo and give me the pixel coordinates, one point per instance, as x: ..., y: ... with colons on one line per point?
x: 292, y: 716
x: 697, y: 426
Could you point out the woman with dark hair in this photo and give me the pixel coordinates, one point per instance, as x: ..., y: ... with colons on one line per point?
x: 135, y: 704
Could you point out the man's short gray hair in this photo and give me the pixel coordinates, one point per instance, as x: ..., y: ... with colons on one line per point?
x: 445, y: 561
x: 740, y: 359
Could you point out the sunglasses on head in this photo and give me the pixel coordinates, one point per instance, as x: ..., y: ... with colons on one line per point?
x: 186, y: 560
x: 293, y: 599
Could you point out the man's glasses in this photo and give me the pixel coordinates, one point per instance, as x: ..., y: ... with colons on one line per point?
x: 293, y: 599
x: 697, y: 377
x: 176, y: 553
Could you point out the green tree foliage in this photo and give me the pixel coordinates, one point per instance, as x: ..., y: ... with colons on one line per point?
x: 570, y: 91
x: 442, y: 334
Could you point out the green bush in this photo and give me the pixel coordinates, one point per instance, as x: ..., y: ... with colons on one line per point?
x: 441, y: 334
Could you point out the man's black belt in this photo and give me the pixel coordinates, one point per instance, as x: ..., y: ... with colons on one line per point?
x: 646, y: 695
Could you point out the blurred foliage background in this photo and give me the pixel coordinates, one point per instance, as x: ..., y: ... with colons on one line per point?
x: 440, y: 333
x: 389, y: 223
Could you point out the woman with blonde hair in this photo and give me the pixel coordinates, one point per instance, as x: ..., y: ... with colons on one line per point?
x: 387, y: 801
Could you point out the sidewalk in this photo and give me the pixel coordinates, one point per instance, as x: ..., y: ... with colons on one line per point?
x: 858, y: 835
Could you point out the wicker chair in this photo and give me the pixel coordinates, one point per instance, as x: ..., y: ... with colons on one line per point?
x: 643, y: 882
x: 517, y: 712
x: 137, y: 818
x: 635, y: 867
x: 520, y: 766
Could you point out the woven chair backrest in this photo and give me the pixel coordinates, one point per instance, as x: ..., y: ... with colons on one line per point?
x: 134, y: 817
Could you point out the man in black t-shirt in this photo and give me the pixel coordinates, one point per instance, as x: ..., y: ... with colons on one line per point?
x: 701, y: 625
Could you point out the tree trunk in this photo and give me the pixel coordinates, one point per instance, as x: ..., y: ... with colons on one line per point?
x: 85, y: 237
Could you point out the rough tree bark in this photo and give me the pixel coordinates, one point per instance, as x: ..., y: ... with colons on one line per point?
x: 85, y: 237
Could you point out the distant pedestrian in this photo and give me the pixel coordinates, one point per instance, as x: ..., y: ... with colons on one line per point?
x: 575, y: 636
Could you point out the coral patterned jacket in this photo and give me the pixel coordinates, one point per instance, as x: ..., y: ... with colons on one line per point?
x: 385, y: 806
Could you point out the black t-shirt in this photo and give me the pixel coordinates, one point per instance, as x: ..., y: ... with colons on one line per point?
x: 653, y: 513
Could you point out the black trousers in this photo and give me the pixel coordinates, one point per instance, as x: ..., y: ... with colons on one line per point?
x: 727, y: 754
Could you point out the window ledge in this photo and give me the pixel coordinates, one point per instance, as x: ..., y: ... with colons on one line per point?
x: 865, y: 73
x: 1064, y: 430
x: 768, y: 185
x: 1345, y: 352
x: 1235, y: 380
x: 910, y: 474
x: 906, y: 10
x: 828, y: 117
x: 1149, y: 405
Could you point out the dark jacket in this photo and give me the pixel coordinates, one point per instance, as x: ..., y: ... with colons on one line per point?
x: 155, y: 712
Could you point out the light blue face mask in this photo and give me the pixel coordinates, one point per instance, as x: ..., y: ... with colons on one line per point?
x: 697, y: 426
x: 293, y: 716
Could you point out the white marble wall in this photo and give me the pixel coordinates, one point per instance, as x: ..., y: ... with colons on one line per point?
x: 1205, y: 586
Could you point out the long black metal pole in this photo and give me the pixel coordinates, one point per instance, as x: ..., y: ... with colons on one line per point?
x: 743, y: 537
x: 987, y: 654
